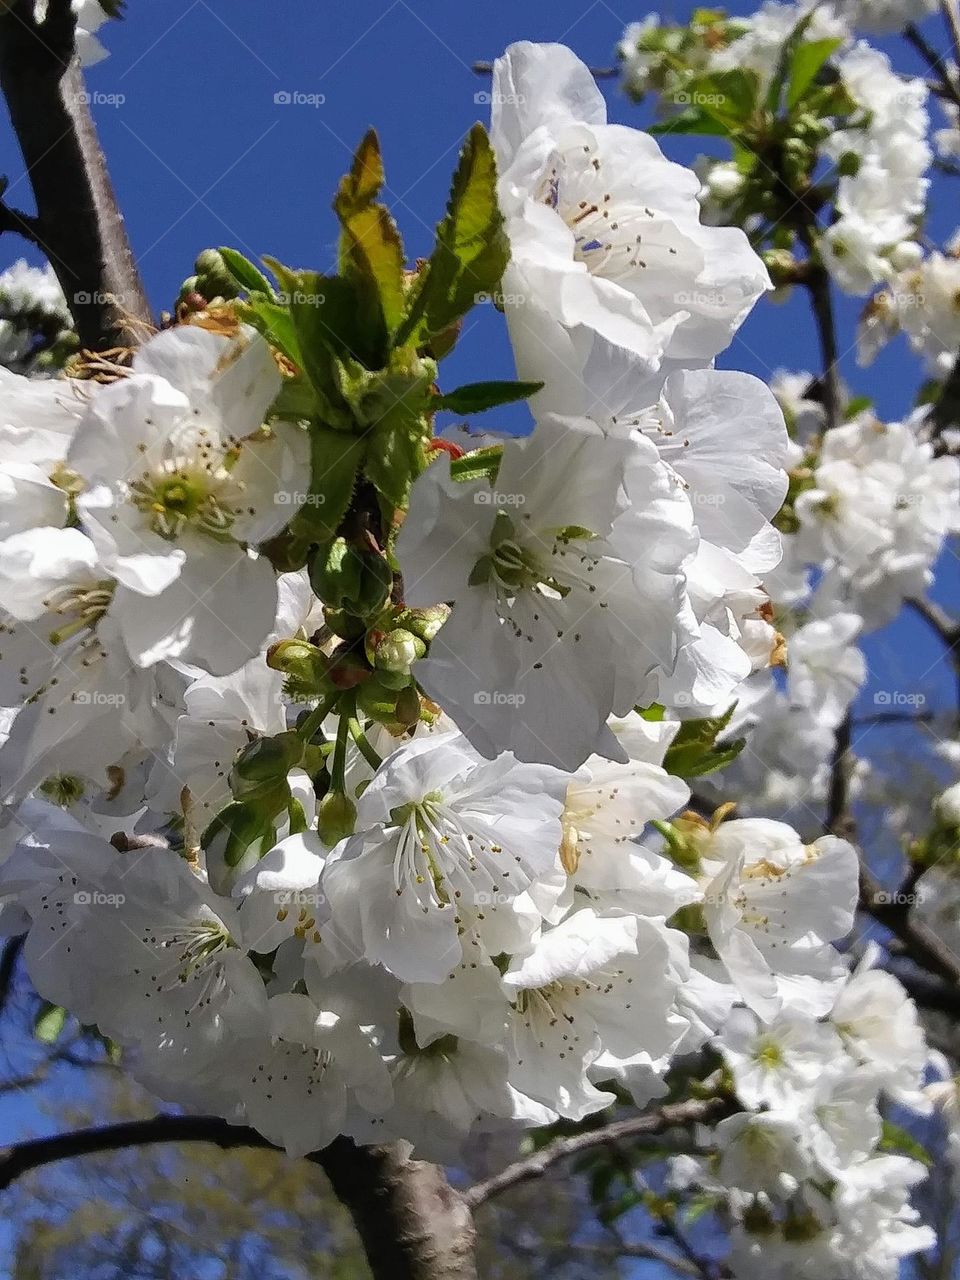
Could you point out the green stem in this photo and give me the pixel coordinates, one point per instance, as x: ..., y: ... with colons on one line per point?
x: 348, y: 706
x: 317, y: 716
x: 366, y: 748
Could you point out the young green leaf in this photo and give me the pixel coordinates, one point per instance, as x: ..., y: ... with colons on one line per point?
x: 471, y: 252
x: 477, y: 397
x: 245, y: 273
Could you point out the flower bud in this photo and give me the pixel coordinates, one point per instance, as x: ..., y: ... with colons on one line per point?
x: 395, y: 650
x: 336, y: 817
x: 235, y: 841
x: 947, y: 806
x: 298, y: 658
x: 408, y: 707
x: 424, y: 623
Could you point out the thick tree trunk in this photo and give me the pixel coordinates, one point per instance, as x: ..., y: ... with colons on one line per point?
x: 413, y: 1224
x: 78, y: 224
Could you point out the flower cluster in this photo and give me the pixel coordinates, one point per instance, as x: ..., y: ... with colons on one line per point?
x: 347, y: 767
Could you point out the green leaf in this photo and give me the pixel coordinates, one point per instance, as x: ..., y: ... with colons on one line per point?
x: 692, y: 120
x: 335, y: 461
x: 478, y: 464
x: 807, y: 59
x: 371, y: 251
x: 779, y: 79
x: 49, y: 1023
x: 396, y: 456
x: 275, y: 323
x: 340, y: 316
x: 477, y: 397
x: 896, y: 1139
x: 365, y: 179
x: 694, y: 751
x: 245, y: 273
x: 471, y: 252
x: 731, y: 96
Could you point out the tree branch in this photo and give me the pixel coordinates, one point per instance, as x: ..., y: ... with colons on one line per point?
x: 413, y: 1225
x: 673, y: 1115
x: 78, y: 224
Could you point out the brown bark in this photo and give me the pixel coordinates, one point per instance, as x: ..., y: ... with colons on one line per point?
x: 78, y: 224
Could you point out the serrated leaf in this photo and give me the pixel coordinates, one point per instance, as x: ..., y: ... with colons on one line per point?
x: 247, y: 275
x: 477, y: 397
x: 275, y: 323
x: 396, y: 456
x: 49, y: 1023
x: 694, y: 751
x: 371, y: 251
x: 335, y: 461
x: 471, y: 252
x: 478, y: 464
x: 365, y: 179
x: 808, y: 58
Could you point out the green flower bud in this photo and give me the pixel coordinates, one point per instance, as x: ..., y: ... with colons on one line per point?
x: 214, y: 279
x: 376, y: 701
x: 344, y: 624
x: 298, y: 658
x: 408, y: 707
x: 234, y: 842
x: 267, y: 759
x: 396, y: 650
x: 350, y: 578
x: 336, y: 817
x: 424, y: 623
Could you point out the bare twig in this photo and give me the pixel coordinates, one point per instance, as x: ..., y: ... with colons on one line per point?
x: 695, y: 1111
x: 949, y: 87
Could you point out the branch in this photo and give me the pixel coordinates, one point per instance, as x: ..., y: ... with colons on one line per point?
x: 945, y: 628
x: 413, y: 1225
x: 695, y: 1111
x: 8, y: 966
x: 78, y: 224
x: 935, y: 61
x: 921, y: 945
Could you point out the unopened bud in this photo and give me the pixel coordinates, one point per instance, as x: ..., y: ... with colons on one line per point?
x: 396, y: 650
x: 336, y: 817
